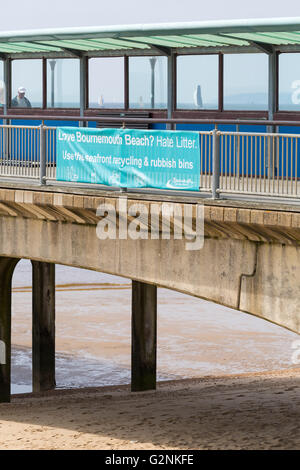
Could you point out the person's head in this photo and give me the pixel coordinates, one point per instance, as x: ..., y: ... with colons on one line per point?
x: 21, y: 92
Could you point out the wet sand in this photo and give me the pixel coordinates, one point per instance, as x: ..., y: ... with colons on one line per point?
x: 256, y: 411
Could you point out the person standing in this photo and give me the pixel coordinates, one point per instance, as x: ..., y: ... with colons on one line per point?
x: 20, y: 101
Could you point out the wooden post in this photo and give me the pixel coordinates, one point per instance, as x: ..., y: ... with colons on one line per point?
x: 7, y: 266
x: 43, y: 326
x: 144, y: 336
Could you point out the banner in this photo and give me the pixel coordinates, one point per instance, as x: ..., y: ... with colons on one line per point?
x: 129, y: 158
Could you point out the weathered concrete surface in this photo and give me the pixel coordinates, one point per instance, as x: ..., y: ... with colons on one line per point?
x: 273, y: 292
x: 250, y: 259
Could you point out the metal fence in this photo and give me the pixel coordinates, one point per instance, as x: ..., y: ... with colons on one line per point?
x: 50, y: 153
x: 259, y: 163
x: 19, y: 151
x: 206, y: 152
x: 230, y: 162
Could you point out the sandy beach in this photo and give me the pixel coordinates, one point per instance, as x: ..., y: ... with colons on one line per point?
x: 254, y: 411
x: 222, y: 397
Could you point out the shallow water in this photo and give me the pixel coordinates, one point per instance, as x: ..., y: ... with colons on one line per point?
x: 195, y: 337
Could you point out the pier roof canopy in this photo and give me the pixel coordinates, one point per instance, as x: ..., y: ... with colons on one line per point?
x: 263, y: 34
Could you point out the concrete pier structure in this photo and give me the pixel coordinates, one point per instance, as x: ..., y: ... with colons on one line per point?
x: 250, y: 261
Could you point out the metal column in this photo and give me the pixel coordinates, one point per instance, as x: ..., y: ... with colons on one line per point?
x: 7, y: 83
x: 171, y: 88
x: 83, y: 87
x: 272, y: 85
x: 272, y: 108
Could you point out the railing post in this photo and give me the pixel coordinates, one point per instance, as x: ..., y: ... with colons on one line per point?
x: 216, y: 164
x: 42, y: 155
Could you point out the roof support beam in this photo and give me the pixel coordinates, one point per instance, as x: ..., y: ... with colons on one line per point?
x: 262, y: 46
x: 162, y: 49
x: 73, y: 52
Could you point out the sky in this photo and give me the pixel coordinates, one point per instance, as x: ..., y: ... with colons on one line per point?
x: 34, y: 14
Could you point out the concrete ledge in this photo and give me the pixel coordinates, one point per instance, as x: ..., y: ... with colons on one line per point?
x: 262, y: 225
x: 265, y: 202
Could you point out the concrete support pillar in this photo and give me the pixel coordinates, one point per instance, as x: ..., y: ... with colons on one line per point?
x: 43, y: 326
x: 144, y: 336
x: 7, y: 266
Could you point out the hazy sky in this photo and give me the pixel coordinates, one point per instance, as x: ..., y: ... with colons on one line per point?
x: 59, y: 13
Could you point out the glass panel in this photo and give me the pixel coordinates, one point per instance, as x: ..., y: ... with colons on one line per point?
x: 63, y: 83
x: 2, y: 93
x: 197, y: 82
x: 246, y: 81
x: 106, y: 82
x: 148, y: 82
x: 289, y: 82
x: 27, y: 83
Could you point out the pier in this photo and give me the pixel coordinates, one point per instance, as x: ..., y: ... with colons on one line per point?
x: 247, y: 201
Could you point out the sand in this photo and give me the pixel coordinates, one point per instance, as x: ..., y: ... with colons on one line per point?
x: 256, y: 410
x: 253, y: 411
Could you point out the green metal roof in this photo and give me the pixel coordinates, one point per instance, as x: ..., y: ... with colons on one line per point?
x: 276, y: 32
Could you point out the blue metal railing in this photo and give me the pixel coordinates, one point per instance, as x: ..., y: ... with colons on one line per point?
x: 257, y: 163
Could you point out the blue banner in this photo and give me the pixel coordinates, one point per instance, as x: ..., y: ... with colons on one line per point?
x: 129, y: 158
